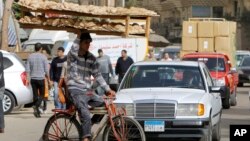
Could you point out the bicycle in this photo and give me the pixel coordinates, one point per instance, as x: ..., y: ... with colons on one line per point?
x: 64, y: 125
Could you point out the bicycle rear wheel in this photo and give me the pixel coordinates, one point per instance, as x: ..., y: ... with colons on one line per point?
x: 62, y: 127
x: 127, y: 129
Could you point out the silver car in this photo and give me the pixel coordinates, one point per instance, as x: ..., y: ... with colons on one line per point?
x: 16, y: 92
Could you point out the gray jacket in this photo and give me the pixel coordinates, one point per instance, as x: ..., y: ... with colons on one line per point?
x: 105, y: 65
x: 2, y: 85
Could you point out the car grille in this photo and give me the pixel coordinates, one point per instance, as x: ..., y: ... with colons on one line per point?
x: 155, y: 110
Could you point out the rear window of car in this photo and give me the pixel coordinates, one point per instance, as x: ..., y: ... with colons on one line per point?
x: 213, y: 64
x: 245, y: 61
x: 6, y: 63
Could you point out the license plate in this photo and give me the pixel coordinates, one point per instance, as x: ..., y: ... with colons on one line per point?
x: 154, y: 126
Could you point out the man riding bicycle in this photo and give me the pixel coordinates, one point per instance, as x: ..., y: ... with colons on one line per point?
x: 81, y: 66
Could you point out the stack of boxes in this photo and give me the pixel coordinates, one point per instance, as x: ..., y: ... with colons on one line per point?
x: 209, y: 36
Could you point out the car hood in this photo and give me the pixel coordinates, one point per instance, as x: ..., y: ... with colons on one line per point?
x: 181, y: 95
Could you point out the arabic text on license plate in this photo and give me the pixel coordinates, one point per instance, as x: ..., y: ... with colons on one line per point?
x: 154, y: 126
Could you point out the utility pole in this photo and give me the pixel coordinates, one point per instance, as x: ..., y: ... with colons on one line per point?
x: 5, y: 21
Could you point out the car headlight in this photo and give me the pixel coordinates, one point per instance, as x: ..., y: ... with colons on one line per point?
x: 220, y: 82
x: 190, y: 110
x: 128, y: 107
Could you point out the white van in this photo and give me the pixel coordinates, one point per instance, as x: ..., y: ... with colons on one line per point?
x: 46, y: 37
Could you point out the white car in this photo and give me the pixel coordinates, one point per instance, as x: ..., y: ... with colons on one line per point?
x: 16, y: 92
x: 172, y: 99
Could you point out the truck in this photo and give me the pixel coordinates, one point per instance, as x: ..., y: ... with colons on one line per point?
x: 222, y: 72
x: 213, y: 41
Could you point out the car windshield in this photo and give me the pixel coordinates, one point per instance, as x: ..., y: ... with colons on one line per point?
x: 245, y: 62
x: 152, y: 76
x: 31, y: 48
x: 213, y: 64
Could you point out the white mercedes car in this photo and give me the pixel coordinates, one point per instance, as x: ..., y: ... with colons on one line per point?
x: 172, y: 99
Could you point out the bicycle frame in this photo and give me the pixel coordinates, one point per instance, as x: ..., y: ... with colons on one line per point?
x: 109, y: 111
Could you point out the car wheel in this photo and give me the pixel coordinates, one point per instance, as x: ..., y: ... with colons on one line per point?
x: 234, y: 98
x: 8, y: 102
x: 217, y: 131
x: 240, y: 84
x: 226, y: 101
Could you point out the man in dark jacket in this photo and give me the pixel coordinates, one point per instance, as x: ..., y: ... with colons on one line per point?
x: 122, y: 65
x: 1, y: 93
x: 55, y: 71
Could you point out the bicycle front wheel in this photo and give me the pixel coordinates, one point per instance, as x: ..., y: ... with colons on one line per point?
x: 127, y: 129
x: 62, y: 127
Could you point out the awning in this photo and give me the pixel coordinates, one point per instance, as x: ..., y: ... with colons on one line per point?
x: 156, y: 40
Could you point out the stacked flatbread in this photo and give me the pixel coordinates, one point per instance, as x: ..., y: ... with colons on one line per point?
x: 87, y: 9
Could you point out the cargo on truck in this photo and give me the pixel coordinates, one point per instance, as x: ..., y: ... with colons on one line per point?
x: 213, y: 42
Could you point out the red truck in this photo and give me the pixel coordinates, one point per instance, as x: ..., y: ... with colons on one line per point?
x: 222, y: 72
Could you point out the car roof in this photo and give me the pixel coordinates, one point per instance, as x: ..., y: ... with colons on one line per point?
x: 242, y: 52
x: 178, y: 63
x: 38, y: 41
x: 5, y: 52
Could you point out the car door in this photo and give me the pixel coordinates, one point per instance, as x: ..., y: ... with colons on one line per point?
x: 215, y: 97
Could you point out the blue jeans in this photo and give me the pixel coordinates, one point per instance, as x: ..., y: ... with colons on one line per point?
x: 81, y: 100
x: 57, y: 103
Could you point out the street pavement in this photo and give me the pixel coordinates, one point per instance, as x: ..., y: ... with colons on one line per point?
x: 23, y: 126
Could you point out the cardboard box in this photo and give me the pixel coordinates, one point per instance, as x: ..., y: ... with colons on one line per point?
x: 223, y: 43
x: 189, y: 44
x: 233, y: 27
x: 183, y: 52
x: 221, y: 28
x: 206, y: 45
x: 189, y: 29
x: 205, y: 29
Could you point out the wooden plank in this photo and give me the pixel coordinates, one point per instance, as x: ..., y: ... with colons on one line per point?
x: 69, y: 29
x: 127, y: 26
x: 147, y: 29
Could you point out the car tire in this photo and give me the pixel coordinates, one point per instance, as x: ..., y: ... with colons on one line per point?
x: 226, y: 102
x: 8, y: 102
x: 217, y: 131
x: 234, y: 98
x: 240, y: 84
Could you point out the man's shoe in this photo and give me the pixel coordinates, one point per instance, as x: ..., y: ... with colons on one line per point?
x: 1, y: 130
x: 36, y: 112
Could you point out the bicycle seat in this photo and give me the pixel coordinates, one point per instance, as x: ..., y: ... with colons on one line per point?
x: 99, y: 110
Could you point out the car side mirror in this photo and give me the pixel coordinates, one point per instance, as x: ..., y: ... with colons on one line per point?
x: 215, y: 89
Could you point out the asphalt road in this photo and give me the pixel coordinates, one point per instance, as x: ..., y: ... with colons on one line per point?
x: 23, y: 126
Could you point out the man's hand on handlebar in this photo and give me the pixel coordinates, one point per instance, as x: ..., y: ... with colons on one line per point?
x: 110, y: 93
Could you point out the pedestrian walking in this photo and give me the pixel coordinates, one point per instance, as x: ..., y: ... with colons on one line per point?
x: 151, y: 56
x: 55, y: 71
x: 122, y: 65
x: 166, y: 57
x: 37, y: 69
x: 2, y: 88
x: 81, y: 65
x: 105, y: 67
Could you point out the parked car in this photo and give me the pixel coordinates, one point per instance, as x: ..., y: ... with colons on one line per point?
x: 167, y: 105
x: 244, y: 71
x: 222, y: 72
x: 240, y: 54
x: 16, y: 92
x: 172, y: 50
